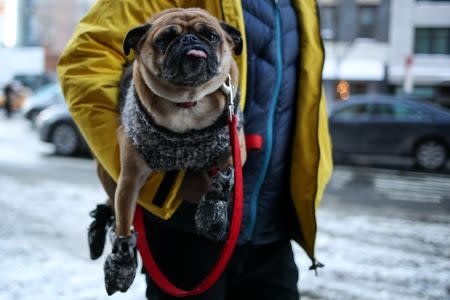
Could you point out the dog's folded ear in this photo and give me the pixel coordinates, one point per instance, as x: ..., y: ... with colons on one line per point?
x: 236, y: 37
x: 133, y: 38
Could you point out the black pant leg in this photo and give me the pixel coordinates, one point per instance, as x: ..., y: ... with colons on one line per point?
x: 185, y: 259
x: 269, y: 273
x: 216, y: 292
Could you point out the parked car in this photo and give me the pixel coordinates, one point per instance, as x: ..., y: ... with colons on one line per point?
x: 388, y: 125
x: 36, y: 81
x: 56, y: 126
x: 43, y: 98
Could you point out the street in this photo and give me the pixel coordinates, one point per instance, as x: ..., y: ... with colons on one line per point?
x: 383, y: 233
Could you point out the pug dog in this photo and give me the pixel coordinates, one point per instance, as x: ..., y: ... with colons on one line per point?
x: 174, y: 117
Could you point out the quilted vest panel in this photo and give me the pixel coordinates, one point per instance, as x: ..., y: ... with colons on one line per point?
x: 266, y: 211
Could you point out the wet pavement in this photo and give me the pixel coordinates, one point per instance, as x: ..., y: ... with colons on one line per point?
x: 383, y: 233
x: 418, y: 195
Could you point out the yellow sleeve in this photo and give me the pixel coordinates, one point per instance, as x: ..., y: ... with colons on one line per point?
x: 90, y: 70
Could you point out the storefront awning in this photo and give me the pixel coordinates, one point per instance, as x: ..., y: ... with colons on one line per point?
x: 354, y: 70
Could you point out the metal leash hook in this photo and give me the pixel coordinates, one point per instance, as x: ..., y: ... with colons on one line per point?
x: 227, y: 88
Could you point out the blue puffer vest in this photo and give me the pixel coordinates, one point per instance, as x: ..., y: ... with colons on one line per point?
x: 273, y: 53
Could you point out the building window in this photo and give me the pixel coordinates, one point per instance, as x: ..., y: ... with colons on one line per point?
x: 367, y: 21
x: 432, y: 41
x: 328, y: 22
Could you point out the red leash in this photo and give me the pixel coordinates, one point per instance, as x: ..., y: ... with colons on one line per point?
x: 142, y: 244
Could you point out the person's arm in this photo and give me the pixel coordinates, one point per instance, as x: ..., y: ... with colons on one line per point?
x: 90, y: 70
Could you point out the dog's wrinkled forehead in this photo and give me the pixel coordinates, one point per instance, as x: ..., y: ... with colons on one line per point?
x: 185, y: 19
x: 185, y: 23
x: 178, y: 28
x: 170, y: 26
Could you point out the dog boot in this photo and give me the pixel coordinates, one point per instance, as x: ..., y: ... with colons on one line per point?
x: 211, y: 217
x: 120, y: 266
x: 103, y: 219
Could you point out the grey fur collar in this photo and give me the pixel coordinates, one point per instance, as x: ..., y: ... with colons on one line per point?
x: 164, y: 150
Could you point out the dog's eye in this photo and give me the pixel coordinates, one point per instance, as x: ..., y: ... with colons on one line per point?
x: 213, y: 37
x: 164, y: 39
x: 161, y: 43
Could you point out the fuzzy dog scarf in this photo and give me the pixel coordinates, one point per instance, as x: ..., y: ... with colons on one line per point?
x: 164, y: 150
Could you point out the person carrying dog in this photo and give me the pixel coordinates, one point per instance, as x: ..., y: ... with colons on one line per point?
x: 289, y: 150
x: 11, y: 91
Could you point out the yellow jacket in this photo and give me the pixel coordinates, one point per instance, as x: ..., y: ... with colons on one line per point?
x: 90, y: 70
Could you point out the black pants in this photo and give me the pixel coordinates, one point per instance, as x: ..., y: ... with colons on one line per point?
x: 8, y: 106
x: 254, y: 272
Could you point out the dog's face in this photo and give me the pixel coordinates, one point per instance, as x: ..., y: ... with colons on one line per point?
x: 184, y: 49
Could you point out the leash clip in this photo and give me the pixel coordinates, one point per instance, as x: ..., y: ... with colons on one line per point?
x: 227, y: 88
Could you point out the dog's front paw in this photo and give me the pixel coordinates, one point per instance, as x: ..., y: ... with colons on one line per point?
x: 221, y: 185
x: 211, y: 219
x: 120, y: 266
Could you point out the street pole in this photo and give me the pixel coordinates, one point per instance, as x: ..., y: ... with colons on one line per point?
x: 408, y: 80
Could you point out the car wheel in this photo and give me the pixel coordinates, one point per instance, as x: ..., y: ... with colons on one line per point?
x: 65, y: 138
x: 431, y: 155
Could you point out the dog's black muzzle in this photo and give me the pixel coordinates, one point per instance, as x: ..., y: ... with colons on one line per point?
x: 190, y: 61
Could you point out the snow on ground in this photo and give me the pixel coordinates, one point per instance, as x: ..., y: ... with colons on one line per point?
x: 44, y: 255
x: 370, y: 257
x: 44, y: 218
x: 16, y: 141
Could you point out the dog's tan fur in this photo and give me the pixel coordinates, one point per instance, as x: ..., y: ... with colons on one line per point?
x: 159, y: 98
x: 207, y: 110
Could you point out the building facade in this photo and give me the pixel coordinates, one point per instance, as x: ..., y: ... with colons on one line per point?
x: 48, y: 23
x: 420, y: 35
x: 27, y: 23
x: 356, y: 40
x: 383, y: 46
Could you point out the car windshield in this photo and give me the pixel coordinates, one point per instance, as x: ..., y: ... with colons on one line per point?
x: 433, y: 108
x: 47, y: 90
x: 356, y: 111
x: 397, y: 111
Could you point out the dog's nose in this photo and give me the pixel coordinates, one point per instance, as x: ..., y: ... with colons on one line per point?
x: 189, y: 39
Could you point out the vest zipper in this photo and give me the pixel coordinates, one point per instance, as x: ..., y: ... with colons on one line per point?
x: 270, y: 120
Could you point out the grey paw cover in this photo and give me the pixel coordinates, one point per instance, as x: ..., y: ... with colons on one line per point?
x: 120, y: 266
x: 211, y: 217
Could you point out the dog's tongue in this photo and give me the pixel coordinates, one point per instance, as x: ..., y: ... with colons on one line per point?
x: 187, y: 104
x: 197, y: 53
